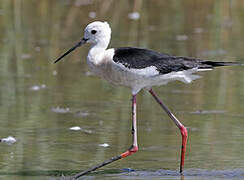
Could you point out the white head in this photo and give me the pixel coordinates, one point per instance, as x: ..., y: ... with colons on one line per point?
x: 96, y: 33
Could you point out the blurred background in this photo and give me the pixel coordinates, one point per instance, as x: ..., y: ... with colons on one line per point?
x: 65, y: 119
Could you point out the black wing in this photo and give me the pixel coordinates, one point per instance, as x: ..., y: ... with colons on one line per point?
x: 137, y: 58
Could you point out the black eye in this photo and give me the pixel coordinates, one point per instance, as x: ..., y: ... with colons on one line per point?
x: 93, y: 31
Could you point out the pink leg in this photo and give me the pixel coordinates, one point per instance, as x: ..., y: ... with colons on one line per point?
x: 131, y: 150
x: 134, y: 146
x: 183, y: 130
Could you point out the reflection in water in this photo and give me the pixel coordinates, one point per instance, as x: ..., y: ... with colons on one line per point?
x: 167, y: 174
x: 125, y: 174
x: 35, y: 33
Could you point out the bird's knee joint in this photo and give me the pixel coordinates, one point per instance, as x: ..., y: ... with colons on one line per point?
x: 183, y: 131
x: 133, y: 149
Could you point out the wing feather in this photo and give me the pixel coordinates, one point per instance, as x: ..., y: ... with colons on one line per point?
x: 137, y: 58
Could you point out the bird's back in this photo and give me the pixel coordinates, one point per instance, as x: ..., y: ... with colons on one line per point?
x: 136, y: 58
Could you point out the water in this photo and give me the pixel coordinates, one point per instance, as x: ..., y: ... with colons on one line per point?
x: 41, y: 101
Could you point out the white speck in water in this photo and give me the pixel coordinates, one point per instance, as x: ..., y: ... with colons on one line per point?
x: 8, y: 140
x: 104, y: 145
x: 134, y: 15
x: 92, y: 15
x: 87, y: 131
x: 36, y: 87
x: 55, y: 73
x: 181, y: 37
x: 61, y: 110
x: 25, y: 56
x: 75, y: 128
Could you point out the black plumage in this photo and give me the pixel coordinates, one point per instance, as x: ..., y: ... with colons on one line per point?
x: 138, y: 58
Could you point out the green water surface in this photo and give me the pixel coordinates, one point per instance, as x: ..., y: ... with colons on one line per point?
x: 40, y: 101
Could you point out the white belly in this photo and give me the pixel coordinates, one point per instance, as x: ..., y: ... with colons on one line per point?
x: 114, y: 74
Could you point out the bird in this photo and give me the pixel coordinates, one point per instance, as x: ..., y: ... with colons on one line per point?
x: 137, y: 69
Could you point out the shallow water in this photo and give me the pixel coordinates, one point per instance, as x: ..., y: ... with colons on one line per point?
x: 40, y: 101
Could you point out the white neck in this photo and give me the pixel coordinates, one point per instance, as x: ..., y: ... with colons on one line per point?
x: 97, y: 50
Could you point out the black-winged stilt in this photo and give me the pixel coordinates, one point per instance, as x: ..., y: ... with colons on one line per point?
x: 138, y: 69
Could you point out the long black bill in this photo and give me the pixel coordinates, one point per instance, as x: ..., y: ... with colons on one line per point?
x: 82, y: 41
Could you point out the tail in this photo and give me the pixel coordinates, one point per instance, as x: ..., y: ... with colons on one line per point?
x: 212, y: 64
